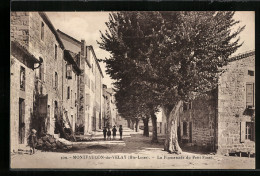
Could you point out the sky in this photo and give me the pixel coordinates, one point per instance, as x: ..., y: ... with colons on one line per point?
x: 86, y: 25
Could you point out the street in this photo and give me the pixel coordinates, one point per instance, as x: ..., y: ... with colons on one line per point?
x: 135, y: 151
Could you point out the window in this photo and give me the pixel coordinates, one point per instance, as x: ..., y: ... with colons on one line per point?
x: 69, y: 71
x: 22, y: 78
x: 68, y: 93
x: 55, y: 51
x: 71, y: 97
x: 75, y: 99
x: 251, y: 73
x: 185, y: 131
x: 249, y: 95
x: 42, y: 31
x: 56, y: 80
x: 249, y: 131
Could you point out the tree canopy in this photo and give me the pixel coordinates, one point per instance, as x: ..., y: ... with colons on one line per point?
x: 167, y: 57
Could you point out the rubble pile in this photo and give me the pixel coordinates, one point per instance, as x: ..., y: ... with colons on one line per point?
x: 49, y: 143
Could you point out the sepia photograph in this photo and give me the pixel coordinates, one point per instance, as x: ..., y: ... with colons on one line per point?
x: 132, y: 90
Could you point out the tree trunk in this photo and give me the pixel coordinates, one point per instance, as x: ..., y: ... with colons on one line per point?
x: 128, y: 123
x: 171, y: 142
x: 132, y: 124
x: 154, y: 123
x: 146, y: 127
x: 136, y: 125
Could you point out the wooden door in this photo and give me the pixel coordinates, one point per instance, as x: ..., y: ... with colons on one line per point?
x: 21, y: 121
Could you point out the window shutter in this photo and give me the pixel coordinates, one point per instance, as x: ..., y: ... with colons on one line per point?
x: 249, y: 94
x: 242, y: 131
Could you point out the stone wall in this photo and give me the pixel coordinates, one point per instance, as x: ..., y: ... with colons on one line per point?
x: 69, y: 104
x: 45, y: 48
x: 26, y: 28
x: 232, y: 109
x: 19, y: 28
x: 199, y: 117
x: 15, y: 94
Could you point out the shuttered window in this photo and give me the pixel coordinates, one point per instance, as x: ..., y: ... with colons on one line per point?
x: 69, y: 71
x: 56, y: 80
x: 22, y: 78
x: 55, y: 48
x: 249, y: 132
x: 42, y: 31
x: 249, y: 95
x: 68, y: 93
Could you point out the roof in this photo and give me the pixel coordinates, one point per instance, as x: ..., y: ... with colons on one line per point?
x: 50, y: 25
x: 91, y: 47
x: 17, y: 45
x: 96, y: 60
x: 242, y: 55
x: 59, y: 31
x: 72, y: 58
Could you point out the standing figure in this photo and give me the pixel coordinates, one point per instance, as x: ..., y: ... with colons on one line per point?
x: 33, y: 141
x: 121, y: 131
x: 105, y: 133
x: 109, y: 134
x: 114, y: 132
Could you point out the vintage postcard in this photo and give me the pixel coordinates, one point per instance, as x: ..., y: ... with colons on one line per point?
x: 132, y: 90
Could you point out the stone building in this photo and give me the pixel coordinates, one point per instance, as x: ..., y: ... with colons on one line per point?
x: 71, y: 72
x: 21, y: 94
x: 36, y: 33
x: 89, y: 84
x: 224, y: 120
x: 110, y: 114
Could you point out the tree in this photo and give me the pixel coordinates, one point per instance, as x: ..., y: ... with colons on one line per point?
x: 126, y: 53
x: 130, y: 107
x: 176, y: 55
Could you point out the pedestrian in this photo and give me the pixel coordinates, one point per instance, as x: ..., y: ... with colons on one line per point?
x: 33, y: 141
x: 121, y: 131
x: 108, y: 134
x: 105, y: 133
x: 114, y: 132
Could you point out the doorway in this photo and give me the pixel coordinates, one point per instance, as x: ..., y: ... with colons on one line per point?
x: 21, y: 121
x: 190, y: 132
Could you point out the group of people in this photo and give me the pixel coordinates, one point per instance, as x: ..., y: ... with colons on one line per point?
x: 107, y: 133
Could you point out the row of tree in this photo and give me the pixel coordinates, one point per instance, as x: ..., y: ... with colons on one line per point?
x: 161, y: 59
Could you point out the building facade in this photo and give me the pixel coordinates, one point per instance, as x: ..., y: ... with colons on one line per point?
x: 71, y: 74
x: 37, y: 34
x: 224, y: 120
x: 89, y: 85
x: 21, y: 94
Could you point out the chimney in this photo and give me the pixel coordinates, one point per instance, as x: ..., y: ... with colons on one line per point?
x: 83, y: 48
